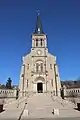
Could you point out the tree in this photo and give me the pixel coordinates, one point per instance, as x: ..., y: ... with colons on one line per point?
x: 2, y: 86
x: 8, y: 83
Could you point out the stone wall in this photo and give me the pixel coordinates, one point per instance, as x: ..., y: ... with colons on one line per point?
x: 73, y: 92
x: 4, y: 93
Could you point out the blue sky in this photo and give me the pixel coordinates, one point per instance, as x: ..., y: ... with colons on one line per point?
x: 61, y: 23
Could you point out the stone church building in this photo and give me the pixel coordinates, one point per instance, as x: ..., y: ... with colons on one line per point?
x: 39, y: 71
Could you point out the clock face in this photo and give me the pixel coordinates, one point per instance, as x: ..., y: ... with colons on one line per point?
x: 39, y: 52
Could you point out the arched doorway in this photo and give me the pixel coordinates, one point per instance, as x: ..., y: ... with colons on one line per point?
x: 40, y: 87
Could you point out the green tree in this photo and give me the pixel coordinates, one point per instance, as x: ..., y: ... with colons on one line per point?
x: 8, y: 83
x: 2, y: 86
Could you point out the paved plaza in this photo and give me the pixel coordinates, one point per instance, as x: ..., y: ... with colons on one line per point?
x: 67, y: 118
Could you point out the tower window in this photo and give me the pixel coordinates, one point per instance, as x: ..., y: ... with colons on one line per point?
x: 36, y: 42
x: 50, y: 66
x: 27, y: 83
x: 27, y: 66
x: 44, y: 64
x: 41, y: 42
x: 37, y: 67
x: 41, y: 67
x: 52, y: 82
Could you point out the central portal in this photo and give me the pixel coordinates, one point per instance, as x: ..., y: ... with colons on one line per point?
x: 40, y: 87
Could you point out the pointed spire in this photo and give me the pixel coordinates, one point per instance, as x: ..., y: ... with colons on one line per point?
x: 38, y: 29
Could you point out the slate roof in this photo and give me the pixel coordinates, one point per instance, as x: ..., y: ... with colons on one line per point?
x: 38, y: 29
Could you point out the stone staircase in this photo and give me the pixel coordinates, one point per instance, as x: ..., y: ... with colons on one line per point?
x: 65, y: 103
x: 19, y: 103
x: 41, y: 105
x: 14, y: 109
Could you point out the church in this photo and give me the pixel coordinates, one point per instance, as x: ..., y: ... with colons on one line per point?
x: 39, y: 70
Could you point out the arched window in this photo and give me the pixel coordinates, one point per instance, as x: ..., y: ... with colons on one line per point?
x: 41, y: 67
x: 36, y: 42
x: 27, y: 66
x: 27, y: 83
x: 50, y: 66
x: 52, y: 82
x: 37, y: 67
x: 41, y: 42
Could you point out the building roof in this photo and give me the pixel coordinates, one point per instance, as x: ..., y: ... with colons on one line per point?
x: 38, y: 29
x: 71, y: 84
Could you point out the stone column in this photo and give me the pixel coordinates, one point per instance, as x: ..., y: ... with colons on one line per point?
x: 44, y: 87
x: 35, y: 87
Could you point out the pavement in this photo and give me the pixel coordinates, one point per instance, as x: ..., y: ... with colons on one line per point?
x: 40, y: 106
x: 12, y: 111
x: 10, y: 114
x: 67, y: 118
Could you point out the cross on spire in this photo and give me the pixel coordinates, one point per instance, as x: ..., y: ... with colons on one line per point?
x: 38, y: 12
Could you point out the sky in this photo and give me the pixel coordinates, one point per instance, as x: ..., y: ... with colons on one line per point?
x: 61, y: 23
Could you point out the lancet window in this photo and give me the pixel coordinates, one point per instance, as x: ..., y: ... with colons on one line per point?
x: 37, y: 67
x: 27, y: 66
x: 36, y: 42
x: 41, y: 42
x: 27, y: 83
x: 52, y: 82
x: 41, y: 67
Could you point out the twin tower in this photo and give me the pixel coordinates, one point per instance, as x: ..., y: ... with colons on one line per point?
x: 39, y: 71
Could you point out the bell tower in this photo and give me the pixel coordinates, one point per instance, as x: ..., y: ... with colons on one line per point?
x: 38, y: 36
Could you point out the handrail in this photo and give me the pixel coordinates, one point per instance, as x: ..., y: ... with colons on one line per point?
x: 23, y: 100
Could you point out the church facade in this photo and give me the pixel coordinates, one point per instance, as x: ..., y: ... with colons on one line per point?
x: 39, y: 71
